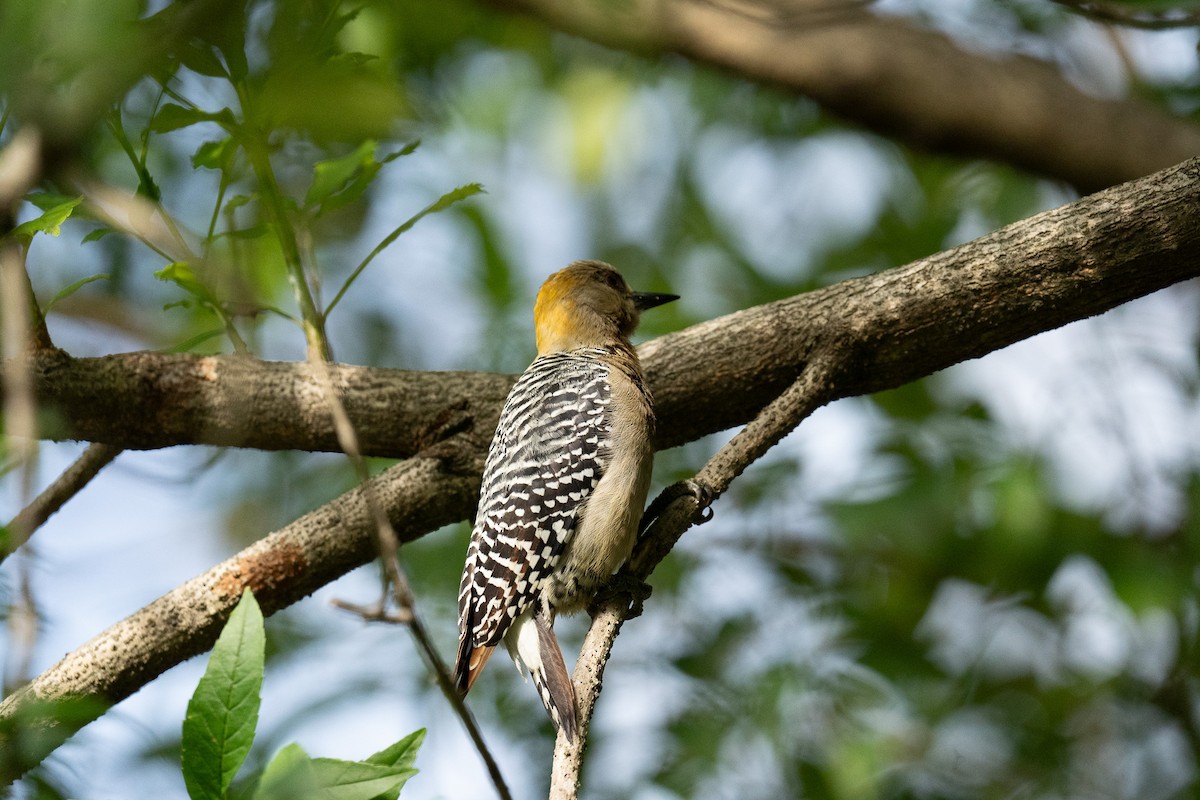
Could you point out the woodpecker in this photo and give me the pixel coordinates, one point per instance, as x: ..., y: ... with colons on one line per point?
x: 564, y: 483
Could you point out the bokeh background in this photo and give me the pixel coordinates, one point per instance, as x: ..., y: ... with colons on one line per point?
x: 981, y: 585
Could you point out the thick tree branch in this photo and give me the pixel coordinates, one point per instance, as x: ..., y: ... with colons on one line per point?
x: 151, y: 400
x: 886, y: 329
x: 1034, y: 275
x: 904, y: 82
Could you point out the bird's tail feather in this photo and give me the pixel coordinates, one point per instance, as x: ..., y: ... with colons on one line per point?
x: 532, y: 643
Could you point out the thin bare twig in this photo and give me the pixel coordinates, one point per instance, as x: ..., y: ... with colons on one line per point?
x: 676, y: 510
x: 389, y: 552
x: 23, y: 331
x: 95, y: 458
x: 142, y: 219
x: 373, y: 613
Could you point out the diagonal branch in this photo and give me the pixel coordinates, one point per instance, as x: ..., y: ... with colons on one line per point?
x: 815, y: 387
x: 899, y: 80
x: 280, y: 569
x: 95, y: 458
x: 886, y: 329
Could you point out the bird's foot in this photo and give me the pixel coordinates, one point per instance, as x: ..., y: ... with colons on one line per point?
x: 698, y: 490
x: 625, y: 589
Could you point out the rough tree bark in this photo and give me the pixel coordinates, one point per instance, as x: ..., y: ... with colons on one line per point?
x: 907, y: 83
x: 886, y: 329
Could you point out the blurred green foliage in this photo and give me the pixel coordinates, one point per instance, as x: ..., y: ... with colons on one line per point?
x: 945, y: 621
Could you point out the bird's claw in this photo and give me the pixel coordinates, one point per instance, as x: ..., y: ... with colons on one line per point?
x: 703, y: 495
x: 697, y: 490
x: 631, y: 592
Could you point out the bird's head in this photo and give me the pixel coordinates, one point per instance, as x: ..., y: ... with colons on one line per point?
x: 588, y: 304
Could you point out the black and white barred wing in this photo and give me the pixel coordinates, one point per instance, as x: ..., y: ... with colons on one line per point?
x: 550, y: 450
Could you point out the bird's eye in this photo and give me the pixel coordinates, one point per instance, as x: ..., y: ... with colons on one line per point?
x: 615, y: 281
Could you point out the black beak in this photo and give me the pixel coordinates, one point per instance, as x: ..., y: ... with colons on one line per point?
x: 644, y: 300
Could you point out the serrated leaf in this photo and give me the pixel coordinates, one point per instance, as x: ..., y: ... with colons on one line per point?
x: 289, y: 776
x: 72, y: 288
x: 408, y: 149
x: 450, y: 198
x: 350, y: 173
x: 49, y: 222
x: 356, y: 780
x: 222, y: 714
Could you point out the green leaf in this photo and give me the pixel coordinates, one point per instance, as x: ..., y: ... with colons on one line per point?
x: 182, y: 275
x: 97, y: 234
x: 214, y: 155
x: 355, y: 780
x: 200, y: 338
x: 201, y: 58
x: 289, y: 776
x: 229, y: 35
x: 237, y: 201
x: 223, y: 712
x: 50, y: 220
x: 292, y: 774
x: 403, y: 753
x: 172, y: 117
x: 408, y: 149
x: 70, y: 289
x: 349, y: 174
x: 340, y: 181
x: 48, y: 200
x: 441, y: 204
x: 147, y: 186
